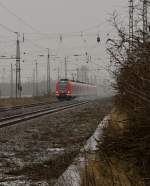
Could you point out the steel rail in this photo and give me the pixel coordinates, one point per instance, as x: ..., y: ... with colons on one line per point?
x: 5, y: 109
x: 28, y: 113
x: 12, y: 120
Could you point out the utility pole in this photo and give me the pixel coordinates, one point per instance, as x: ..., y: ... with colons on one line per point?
x: 58, y: 70
x: 34, y: 82
x: 3, y: 75
x: 95, y: 80
x: 65, y: 67
x: 77, y: 74
x: 145, y: 26
x: 18, y: 74
x: 82, y: 75
x: 91, y: 79
x: 73, y: 76
x: 11, y: 81
x: 131, y: 19
x: 36, y: 72
x: 48, y: 73
x: 85, y: 76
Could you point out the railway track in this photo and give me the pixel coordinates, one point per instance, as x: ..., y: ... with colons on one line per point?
x: 5, y: 109
x: 12, y: 120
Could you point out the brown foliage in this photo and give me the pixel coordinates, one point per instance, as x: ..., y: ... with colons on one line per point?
x: 132, y: 74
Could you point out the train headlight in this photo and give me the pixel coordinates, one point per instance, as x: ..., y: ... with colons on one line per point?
x: 57, y: 93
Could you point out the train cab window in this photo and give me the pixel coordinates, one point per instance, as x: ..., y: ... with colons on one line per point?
x: 62, y: 85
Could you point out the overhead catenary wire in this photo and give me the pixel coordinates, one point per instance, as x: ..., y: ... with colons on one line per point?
x: 71, y: 34
x: 79, y: 33
x: 36, y: 45
x: 14, y: 32
x: 19, y: 18
x: 85, y: 32
x: 7, y: 28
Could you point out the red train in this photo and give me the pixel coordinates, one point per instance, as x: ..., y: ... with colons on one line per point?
x: 67, y: 89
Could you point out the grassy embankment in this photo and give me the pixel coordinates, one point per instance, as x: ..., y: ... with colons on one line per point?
x: 124, y: 152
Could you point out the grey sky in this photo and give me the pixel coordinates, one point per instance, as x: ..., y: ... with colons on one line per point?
x: 63, y: 15
x: 58, y: 16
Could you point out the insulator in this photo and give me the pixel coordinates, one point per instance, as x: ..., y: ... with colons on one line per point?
x: 61, y: 38
x: 98, y: 39
x: 23, y: 37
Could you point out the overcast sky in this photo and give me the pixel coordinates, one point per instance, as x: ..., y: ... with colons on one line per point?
x: 63, y: 15
x: 57, y: 16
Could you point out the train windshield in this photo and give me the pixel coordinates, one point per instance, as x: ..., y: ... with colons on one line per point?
x: 62, y: 85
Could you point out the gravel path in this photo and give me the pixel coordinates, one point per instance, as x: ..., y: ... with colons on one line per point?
x: 38, y: 151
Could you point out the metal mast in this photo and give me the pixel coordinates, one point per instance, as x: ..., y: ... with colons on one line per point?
x: 58, y: 71
x: 34, y: 94
x: 77, y: 74
x: 131, y: 9
x: 11, y: 81
x: 18, y: 74
x: 48, y: 73
x: 36, y: 74
x: 65, y: 67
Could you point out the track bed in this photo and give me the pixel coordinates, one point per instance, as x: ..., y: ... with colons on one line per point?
x: 38, y: 151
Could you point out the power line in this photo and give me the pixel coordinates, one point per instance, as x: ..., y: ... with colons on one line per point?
x: 38, y: 32
x: 35, y: 44
x: 14, y: 32
x: 92, y: 27
x: 47, y: 37
x: 19, y: 18
x: 71, y: 34
x: 7, y: 28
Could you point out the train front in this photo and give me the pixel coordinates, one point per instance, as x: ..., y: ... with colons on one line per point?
x: 63, y: 89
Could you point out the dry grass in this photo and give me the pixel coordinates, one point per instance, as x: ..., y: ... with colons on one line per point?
x: 125, y: 151
x: 24, y: 101
x: 119, y: 173
x: 116, y: 162
x: 106, y: 171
